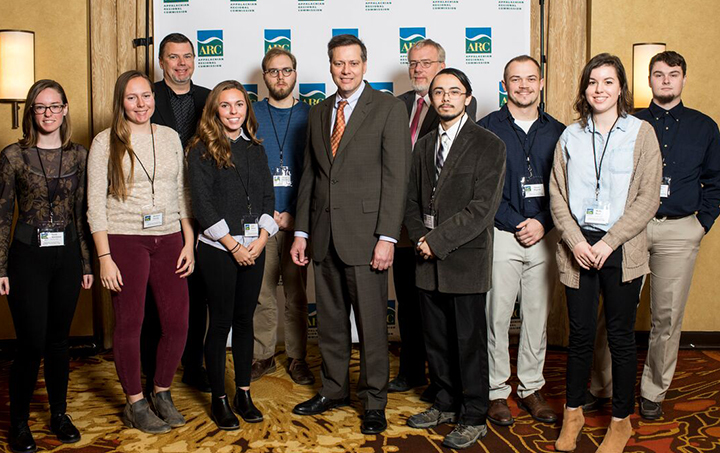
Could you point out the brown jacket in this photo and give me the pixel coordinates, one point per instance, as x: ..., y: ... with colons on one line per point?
x: 629, y: 231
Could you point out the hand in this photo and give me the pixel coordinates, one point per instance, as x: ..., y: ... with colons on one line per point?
x: 424, y: 249
x: 256, y: 247
x: 4, y: 286
x: 287, y: 221
x: 87, y: 281
x: 602, y: 251
x: 110, y: 274
x: 243, y: 256
x: 530, y: 231
x: 186, y: 261
x: 382, y: 255
x: 584, y: 255
x: 297, y: 251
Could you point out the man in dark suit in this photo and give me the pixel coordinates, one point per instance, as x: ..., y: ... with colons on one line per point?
x: 455, y: 187
x: 178, y: 104
x: 350, y: 205
x: 425, y: 59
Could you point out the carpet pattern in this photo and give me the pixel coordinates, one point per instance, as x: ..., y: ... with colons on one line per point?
x: 691, y: 423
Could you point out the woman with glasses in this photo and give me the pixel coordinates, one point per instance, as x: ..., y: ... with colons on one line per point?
x: 604, y: 189
x: 233, y: 201
x: 139, y: 215
x: 42, y: 271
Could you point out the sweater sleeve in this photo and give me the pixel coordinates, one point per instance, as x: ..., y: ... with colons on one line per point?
x: 201, y: 176
x: 559, y: 201
x: 97, y: 182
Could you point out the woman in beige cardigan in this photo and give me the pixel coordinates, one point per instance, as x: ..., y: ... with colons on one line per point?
x: 604, y: 189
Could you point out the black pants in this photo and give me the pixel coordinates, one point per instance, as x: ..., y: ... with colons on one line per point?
x: 620, y: 307
x: 232, y: 294
x: 456, y: 342
x: 44, y: 288
x: 412, y: 350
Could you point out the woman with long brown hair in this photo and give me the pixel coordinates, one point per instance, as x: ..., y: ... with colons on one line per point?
x: 138, y: 204
x: 233, y: 201
x: 42, y: 271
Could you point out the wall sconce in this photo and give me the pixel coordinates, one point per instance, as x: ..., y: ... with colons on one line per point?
x: 642, y: 54
x: 17, y: 68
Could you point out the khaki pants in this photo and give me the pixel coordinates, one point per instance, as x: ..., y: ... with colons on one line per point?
x: 527, y: 274
x: 294, y: 278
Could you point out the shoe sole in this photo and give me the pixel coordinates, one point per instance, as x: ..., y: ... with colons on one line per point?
x: 373, y: 431
x: 24, y: 451
x: 651, y: 416
x: 541, y: 420
x: 224, y: 428
x: 332, y: 406
x: 467, y: 444
x: 130, y: 424
x: 502, y: 423
x: 431, y: 424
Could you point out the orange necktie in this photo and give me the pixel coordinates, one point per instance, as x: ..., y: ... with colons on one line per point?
x: 339, y: 128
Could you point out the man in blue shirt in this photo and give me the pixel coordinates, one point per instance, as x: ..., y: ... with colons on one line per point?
x: 282, y: 126
x: 523, y: 252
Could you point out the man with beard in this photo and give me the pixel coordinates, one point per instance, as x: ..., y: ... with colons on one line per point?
x: 282, y: 127
x: 425, y: 59
x: 523, y: 252
x: 453, y: 193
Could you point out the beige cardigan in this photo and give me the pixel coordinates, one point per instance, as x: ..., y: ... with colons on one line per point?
x: 629, y: 231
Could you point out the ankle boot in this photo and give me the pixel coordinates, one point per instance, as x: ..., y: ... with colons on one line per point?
x: 243, y: 405
x: 138, y: 415
x: 617, y: 436
x: 165, y: 408
x: 222, y: 415
x: 572, y: 426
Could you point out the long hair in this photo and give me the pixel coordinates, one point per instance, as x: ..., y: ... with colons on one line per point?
x: 625, y: 101
x: 211, y: 132
x: 30, y: 132
x: 120, y: 138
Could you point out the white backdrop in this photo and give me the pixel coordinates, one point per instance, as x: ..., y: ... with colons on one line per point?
x: 231, y: 37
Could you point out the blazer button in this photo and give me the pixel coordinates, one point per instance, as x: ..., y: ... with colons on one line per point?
x: 333, y: 181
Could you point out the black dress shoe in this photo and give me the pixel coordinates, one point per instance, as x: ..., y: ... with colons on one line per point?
x: 243, y: 405
x: 430, y: 393
x: 319, y: 404
x: 374, y: 422
x: 21, y: 439
x: 63, y: 428
x: 403, y: 384
x: 198, y: 378
x: 222, y: 415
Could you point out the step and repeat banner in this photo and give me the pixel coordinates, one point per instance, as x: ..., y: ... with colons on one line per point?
x: 232, y: 36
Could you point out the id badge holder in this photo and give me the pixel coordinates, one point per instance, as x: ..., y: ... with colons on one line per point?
x: 152, y: 217
x: 532, y: 187
x: 597, y: 212
x: 251, y: 229
x: 51, y: 234
x: 282, y: 176
x: 665, y: 187
x: 430, y: 220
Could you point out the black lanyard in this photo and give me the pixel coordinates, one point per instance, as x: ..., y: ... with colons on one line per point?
x: 287, y: 128
x: 152, y: 180
x: 247, y: 165
x: 51, y: 198
x: 598, y: 169
x: 522, y: 143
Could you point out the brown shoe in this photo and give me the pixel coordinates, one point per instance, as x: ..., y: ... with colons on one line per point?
x: 572, y: 425
x: 262, y: 367
x: 300, y: 372
x: 617, y: 436
x: 536, y: 406
x: 499, y: 412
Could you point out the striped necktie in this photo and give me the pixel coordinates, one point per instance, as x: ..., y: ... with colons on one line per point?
x: 442, y: 150
x: 339, y: 127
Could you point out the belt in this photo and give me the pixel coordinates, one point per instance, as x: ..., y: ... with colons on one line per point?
x: 28, y: 234
x: 662, y: 218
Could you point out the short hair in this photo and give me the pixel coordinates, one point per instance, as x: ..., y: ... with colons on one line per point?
x: 625, y: 100
x: 346, y: 40
x: 177, y: 38
x: 520, y: 59
x: 276, y: 52
x: 459, y: 75
x: 670, y: 58
x: 429, y: 42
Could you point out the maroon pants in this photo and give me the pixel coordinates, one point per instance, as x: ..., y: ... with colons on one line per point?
x: 142, y: 261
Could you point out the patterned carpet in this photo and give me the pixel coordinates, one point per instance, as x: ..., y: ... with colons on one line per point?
x: 691, y: 423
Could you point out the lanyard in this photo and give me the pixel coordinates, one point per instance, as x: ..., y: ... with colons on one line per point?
x: 247, y: 165
x: 598, y: 169
x: 152, y: 180
x: 514, y: 127
x: 51, y: 198
x: 287, y: 128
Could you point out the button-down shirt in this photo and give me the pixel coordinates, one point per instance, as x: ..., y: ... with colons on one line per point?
x: 452, y: 134
x: 539, y: 143
x: 349, y: 107
x: 183, y: 108
x: 690, y: 145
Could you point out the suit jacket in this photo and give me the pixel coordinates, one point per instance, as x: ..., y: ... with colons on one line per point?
x: 360, y: 194
x: 431, y: 120
x: 467, y: 197
x: 163, y: 110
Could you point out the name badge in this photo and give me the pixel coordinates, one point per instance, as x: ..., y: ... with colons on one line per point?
x: 282, y: 177
x: 153, y: 219
x: 51, y: 238
x: 597, y: 212
x: 665, y: 187
x: 533, y: 190
x: 251, y: 228
x: 429, y: 221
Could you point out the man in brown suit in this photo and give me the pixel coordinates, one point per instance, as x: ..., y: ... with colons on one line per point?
x: 455, y: 187
x: 350, y: 205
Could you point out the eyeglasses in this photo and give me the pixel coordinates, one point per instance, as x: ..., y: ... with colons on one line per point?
x: 424, y: 63
x: 274, y: 72
x: 39, y: 109
x: 453, y: 93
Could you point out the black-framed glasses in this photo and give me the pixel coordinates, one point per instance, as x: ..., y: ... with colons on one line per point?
x: 274, y: 72
x: 454, y: 93
x: 39, y: 109
x: 423, y: 63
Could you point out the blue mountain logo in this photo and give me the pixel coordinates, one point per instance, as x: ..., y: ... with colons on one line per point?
x: 478, y: 40
x: 409, y: 36
x: 277, y: 38
x: 210, y: 43
x: 312, y: 93
x: 502, y: 94
x: 252, y: 91
x: 385, y: 87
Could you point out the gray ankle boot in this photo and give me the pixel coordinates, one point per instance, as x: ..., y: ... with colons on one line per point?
x: 138, y: 415
x: 165, y: 409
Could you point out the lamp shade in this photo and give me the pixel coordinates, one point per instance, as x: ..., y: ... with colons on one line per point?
x: 17, y: 64
x: 642, y: 54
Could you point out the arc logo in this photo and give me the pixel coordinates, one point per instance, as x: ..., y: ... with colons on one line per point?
x: 252, y: 91
x: 345, y: 31
x: 312, y: 93
x: 210, y: 43
x: 385, y: 87
x: 409, y: 36
x: 277, y: 38
x: 478, y: 40
x: 502, y: 95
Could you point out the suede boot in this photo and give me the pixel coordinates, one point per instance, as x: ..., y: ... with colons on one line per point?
x: 617, y: 436
x: 573, y: 422
x: 138, y: 415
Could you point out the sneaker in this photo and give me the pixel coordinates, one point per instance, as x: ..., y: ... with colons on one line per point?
x: 262, y: 367
x: 430, y: 418
x: 464, y: 436
x: 300, y: 372
x: 650, y: 410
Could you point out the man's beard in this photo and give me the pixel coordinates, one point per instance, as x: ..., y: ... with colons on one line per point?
x: 518, y: 103
x: 666, y: 99
x: 281, y: 93
x: 450, y: 116
x: 419, y: 88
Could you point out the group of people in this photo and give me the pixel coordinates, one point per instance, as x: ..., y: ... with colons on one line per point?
x: 472, y: 217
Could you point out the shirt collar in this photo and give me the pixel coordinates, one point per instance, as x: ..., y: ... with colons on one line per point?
x: 622, y: 123
x: 453, y: 131
x: 352, y: 100
x: 241, y: 136
x: 425, y: 98
x: 658, y: 112
x: 174, y: 94
x: 506, y: 115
